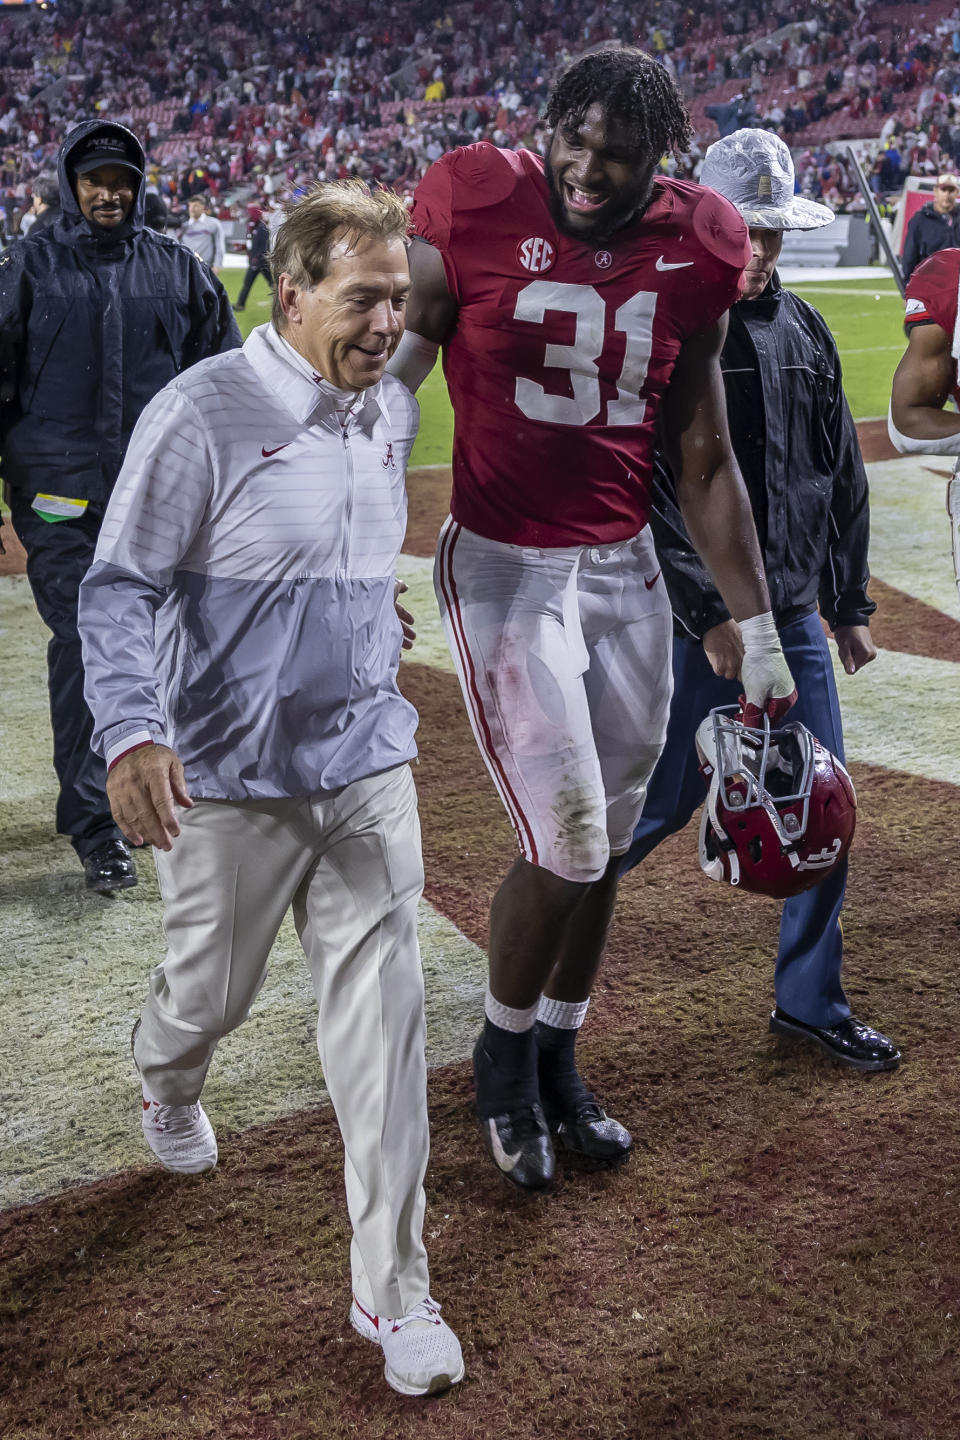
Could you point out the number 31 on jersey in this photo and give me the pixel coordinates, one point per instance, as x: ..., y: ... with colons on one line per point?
x: 634, y: 319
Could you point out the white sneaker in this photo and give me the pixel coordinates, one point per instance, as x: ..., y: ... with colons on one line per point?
x: 180, y: 1136
x: 422, y: 1354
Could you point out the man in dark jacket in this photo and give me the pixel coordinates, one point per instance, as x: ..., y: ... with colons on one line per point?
x: 936, y: 226
x: 258, y: 244
x: 737, y: 111
x: 97, y: 313
x: 796, y: 444
x: 46, y: 204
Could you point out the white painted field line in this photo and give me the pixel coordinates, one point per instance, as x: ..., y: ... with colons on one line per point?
x: 830, y: 274
x: 909, y: 529
x: 76, y: 968
x: 873, y: 349
x: 900, y: 713
x: 862, y: 292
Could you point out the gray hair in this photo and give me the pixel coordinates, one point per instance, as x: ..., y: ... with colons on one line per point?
x: 331, y: 211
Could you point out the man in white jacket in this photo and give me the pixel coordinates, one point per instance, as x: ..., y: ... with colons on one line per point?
x: 241, y: 647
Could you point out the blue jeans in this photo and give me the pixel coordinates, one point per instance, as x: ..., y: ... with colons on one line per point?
x: 807, y: 976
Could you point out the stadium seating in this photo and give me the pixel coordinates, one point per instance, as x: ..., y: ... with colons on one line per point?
x: 257, y: 105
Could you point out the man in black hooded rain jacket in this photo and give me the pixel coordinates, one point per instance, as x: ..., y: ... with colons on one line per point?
x: 97, y: 314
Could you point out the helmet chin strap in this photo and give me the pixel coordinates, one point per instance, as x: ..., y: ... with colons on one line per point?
x: 713, y: 866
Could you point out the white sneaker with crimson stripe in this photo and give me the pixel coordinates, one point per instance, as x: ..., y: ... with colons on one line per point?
x: 180, y: 1136
x: 421, y: 1353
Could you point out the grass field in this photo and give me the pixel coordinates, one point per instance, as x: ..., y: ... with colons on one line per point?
x: 780, y: 1260
x: 866, y: 320
x: 865, y: 316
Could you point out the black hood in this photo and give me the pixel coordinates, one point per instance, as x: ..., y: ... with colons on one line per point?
x: 72, y: 217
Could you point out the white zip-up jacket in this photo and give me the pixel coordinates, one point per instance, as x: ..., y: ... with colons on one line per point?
x: 240, y: 607
x: 204, y: 236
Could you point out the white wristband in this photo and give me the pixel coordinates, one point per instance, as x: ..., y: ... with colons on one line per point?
x: 759, y: 632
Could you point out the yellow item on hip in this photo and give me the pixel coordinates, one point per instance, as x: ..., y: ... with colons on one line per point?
x: 58, y: 507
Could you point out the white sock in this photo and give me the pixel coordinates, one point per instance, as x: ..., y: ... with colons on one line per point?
x: 562, y: 1014
x: 506, y: 1018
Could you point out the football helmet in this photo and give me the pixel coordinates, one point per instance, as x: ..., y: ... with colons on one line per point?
x: 780, y: 810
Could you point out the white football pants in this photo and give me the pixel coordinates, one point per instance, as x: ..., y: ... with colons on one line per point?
x: 564, y: 658
x: 350, y: 864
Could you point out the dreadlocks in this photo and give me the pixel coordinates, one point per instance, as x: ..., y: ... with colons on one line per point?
x: 635, y: 92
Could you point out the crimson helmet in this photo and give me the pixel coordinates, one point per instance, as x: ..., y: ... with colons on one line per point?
x: 780, y: 810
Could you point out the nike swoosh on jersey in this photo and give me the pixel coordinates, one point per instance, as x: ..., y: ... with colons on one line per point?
x: 650, y: 583
x: 505, y: 1161
x: 672, y: 264
x: 267, y: 453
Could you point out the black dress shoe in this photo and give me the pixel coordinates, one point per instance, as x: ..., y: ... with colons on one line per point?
x: 588, y: 1130
x: 110, y: 867
x: 849, y: 1041
x: 517, y: 1138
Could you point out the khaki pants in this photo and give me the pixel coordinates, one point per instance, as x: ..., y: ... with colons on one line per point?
x: 350, y: 865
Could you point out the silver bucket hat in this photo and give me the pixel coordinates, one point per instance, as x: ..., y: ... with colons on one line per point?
x: 753, y: 169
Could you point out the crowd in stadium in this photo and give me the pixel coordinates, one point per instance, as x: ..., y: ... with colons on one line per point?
x: 254, y: 105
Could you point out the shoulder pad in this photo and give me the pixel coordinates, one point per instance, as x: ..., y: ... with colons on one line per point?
x: 939, y: 270
x: 482, y: 174
x: 718, y: 225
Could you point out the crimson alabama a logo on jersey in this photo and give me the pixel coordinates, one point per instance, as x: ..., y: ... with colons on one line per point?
x: 536, y: 254
x: 388, y: 461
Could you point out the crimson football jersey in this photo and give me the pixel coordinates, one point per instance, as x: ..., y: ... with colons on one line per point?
x: 932, y: 295
x: 563, y: 348
x: 932, y: 291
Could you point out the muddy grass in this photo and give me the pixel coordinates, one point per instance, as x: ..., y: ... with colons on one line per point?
x: 779, y: 1258
x: 875, y: 441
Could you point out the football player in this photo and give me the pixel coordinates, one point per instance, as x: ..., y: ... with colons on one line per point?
x: 926, y: 377
x: 580, y: 303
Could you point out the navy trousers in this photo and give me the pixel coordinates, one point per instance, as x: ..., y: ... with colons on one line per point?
x: 58, y: 557
x: 254, y: 268
x: 807, y: 976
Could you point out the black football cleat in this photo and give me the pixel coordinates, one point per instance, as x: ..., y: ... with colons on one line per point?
x: 849, y: 1042
x: 520, y: 1146
x: 576, y: 1120
x: 110, y: 867
x: 518, y: 1137
x: 586, y: 1129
